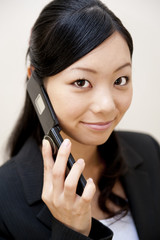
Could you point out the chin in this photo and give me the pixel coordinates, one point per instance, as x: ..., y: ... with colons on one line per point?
x: 89, y: 139
x: 94, y: 141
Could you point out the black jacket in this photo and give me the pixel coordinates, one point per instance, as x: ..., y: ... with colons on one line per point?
x: 23, y: 215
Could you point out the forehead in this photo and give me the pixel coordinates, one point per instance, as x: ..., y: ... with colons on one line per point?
x: 112, y: 53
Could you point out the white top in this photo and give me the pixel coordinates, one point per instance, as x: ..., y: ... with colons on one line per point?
x: 123, y: 228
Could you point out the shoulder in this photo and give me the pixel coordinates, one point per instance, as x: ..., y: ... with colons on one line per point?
x: 8, y: 172
x: 139, y: 141
x: 15, y: 170
x: 20, y: 185
x: 9, y: 181
x: 136, y: 137
x: 10, y: 190
x: 138, y: 148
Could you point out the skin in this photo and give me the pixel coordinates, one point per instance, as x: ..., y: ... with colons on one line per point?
x: 88, y: 111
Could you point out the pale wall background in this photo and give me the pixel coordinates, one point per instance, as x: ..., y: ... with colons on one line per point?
x: 142, y: 19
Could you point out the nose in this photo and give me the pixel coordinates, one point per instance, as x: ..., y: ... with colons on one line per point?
x: 103, y: 101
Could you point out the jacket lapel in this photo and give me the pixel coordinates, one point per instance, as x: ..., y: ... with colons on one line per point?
x: 138, y: 189
x: 29, y: 164
x: 45, y: 216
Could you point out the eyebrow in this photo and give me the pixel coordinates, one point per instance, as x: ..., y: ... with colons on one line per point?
x: 128, y: 64
x: 84, y: 69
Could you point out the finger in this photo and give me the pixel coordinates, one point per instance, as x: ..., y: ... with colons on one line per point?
x: 72, y: 179
x: 48, y: 166
x: 60, y: 166
x: 47, y: 155
x: 88, y: 192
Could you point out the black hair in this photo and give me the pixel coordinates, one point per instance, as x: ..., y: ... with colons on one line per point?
x: 64, y: 32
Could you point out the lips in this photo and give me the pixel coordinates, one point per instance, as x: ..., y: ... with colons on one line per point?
x: 98, y: 125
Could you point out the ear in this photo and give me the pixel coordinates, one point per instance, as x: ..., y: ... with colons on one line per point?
x: 29, y: 71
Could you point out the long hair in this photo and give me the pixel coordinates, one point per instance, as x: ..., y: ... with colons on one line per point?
x: 64, y: 32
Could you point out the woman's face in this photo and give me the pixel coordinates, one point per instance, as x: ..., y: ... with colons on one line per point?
x: 91, y: 96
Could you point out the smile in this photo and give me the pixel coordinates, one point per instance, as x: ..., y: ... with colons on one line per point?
x: 100, y: 126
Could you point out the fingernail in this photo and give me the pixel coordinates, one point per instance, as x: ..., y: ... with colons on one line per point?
x: 45, y: 143
x: 90, y: 180
x: 66, y: 142
x: 80, y: 161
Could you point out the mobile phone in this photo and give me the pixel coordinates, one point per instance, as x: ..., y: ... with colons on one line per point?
x: 49, y: 121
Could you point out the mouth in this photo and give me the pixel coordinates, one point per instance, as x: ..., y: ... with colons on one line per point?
x: 99, y: 126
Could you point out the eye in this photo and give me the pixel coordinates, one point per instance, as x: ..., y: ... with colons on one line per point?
x: 121, y: 81
x: 82, y: 83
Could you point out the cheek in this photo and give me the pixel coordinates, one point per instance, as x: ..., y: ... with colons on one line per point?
x: 67, y: 109
x: 124, y: 101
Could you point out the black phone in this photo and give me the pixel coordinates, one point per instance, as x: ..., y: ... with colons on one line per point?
x: 49, y: 121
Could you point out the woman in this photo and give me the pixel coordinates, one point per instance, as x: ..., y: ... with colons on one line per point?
x: 82, y: 53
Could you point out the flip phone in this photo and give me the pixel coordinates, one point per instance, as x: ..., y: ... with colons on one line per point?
x: 49, y: 121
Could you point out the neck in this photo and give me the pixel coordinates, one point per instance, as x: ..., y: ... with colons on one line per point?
x: 89, y: 153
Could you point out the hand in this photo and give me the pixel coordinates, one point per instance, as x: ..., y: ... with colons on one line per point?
x: 59, y: 194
